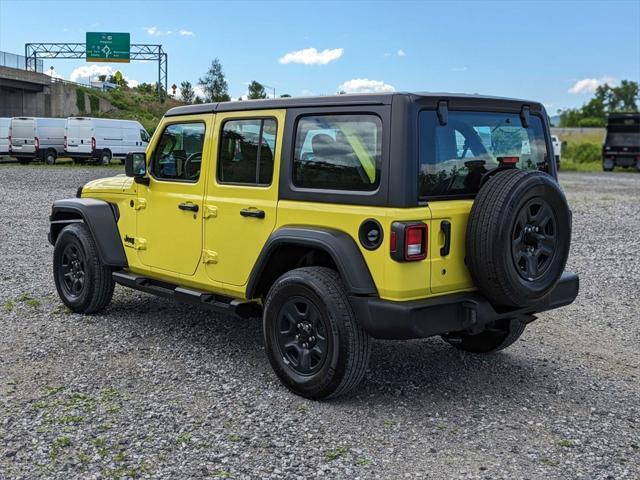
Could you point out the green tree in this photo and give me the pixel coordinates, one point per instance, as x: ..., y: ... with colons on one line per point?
x: 146, y: 88
x: 214, y: 83
x: 256, y: 91
x: 198, y: 100
x: 187, y: 94
x: 285, y: 95
x: 606, y: 99
x: 119, y: 79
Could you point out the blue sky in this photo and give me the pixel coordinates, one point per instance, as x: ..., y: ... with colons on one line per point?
x: 554, y: 52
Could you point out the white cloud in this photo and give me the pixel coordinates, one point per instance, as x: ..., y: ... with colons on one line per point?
x: 86, y: 73
x: 186, y: 33
x: 311, y: 56
x: 589, y: 85
x: 459, y: 69
x: 401, y: 53
x: 153, y: 30
x: 364, y: 85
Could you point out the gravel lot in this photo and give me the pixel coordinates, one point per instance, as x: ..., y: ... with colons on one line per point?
x: 156, y: 389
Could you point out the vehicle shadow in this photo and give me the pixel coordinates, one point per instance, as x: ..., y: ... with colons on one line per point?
x: 415, y: 370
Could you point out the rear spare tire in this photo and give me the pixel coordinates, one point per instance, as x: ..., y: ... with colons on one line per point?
x: 518, y: 237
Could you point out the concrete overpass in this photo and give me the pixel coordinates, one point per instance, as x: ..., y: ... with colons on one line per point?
x: 24, y: 93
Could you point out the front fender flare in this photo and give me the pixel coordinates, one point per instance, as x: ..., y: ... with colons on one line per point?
x: 100, y: 218
x: 339, y: 245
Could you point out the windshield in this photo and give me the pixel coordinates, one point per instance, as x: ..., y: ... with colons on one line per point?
x: 454, y: 157
x: 623, y: 139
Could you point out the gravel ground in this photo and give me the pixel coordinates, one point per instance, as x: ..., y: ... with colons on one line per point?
x: 157, y: 389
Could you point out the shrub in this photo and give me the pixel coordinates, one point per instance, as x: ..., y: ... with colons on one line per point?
x: 583, y: 153
x: 80, y: 100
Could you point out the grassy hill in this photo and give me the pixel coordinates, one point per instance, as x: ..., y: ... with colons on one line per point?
x: 129, y: 104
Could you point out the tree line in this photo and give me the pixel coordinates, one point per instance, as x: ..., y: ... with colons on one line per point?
x: 606, y: 99
x: 215, y: 88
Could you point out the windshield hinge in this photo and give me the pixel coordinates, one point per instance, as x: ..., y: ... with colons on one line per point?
x: 524, y: 116
x: 443, y: 112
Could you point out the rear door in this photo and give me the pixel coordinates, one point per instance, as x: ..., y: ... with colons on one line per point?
x: 23, y: 135
x: 242, y: 193
x: 79, y: 132
x: 454, y: 158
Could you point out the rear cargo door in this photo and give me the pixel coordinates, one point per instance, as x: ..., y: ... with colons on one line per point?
x: 456, y: 155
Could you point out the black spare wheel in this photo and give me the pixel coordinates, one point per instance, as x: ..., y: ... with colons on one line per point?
x: 518, y: 237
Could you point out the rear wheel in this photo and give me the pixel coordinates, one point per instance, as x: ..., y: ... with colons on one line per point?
x: 608, y: 165
x: 84, y: 284
x: 313, y: 341
x: 498, y: 336
x: 50, y: 157
x: 105, y: 157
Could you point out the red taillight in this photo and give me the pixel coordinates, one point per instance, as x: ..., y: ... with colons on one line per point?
x: 415, y: 242
x: 65, y: 142
x: 408, y: 241
x: 36, y: 141
x: 93, y: 143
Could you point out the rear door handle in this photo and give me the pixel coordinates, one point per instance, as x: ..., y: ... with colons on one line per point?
x: 445, y: 227
x: 192, y: 207
x: 252, y: 212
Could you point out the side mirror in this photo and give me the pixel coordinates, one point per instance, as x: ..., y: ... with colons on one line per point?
x: 135, y: 165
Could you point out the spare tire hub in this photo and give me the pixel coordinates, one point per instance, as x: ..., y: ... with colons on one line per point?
x: 533, y: 241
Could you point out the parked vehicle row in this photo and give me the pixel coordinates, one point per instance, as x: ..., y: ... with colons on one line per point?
x: 81, y: 138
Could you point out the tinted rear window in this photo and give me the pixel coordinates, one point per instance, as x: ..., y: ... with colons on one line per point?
x: 454, y: 157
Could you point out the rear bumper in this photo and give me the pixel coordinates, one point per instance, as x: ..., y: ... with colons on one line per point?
x: 449, y: 313
x: 622, y: 159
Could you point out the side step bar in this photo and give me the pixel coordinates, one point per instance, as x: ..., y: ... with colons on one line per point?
x: 218, y: 303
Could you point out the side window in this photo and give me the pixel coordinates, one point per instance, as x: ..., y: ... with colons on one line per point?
x: 338, y: 152
x: 178, y: 154
x: 144, y: 136
x: 247, y: 151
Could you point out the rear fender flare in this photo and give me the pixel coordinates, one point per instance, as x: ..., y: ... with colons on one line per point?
x: 339, y: 245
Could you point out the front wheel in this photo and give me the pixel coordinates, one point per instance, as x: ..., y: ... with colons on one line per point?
x: 312, y: 338
x: 494, y: 338
x: 84, y: 284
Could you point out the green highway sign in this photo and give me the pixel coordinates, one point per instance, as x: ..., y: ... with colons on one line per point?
x: 108, y: 47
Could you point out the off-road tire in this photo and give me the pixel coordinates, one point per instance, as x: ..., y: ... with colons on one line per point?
x: 97, y: 289
x: 348, y: 345
x: 496, y: 337
x: 495, y: 236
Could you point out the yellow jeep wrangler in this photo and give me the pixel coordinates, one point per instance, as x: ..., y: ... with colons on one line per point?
x: 337, y: 219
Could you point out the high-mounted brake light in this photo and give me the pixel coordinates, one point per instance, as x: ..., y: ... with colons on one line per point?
x: 508, y: 160
x: 36, y: 141
x: 408, y: 241
x: 93, y: 143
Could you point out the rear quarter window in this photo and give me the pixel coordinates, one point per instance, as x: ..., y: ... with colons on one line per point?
x: 338, y: 152
x: 454, y: 157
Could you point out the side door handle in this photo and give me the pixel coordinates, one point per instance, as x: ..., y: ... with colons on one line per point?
x: 445, y: 227
x: 252, y: 212
x: 192, y: 207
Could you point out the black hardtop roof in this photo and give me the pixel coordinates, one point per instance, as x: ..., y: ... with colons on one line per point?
x: 335, y: 100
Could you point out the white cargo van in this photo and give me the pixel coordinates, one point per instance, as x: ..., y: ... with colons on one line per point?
x: 557, y: 149
x: 34, y: 138
x: 4, y: 136
x: 102, y: 139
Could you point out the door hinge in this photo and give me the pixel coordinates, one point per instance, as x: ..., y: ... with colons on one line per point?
x: 209, y: 256
x: 139, y: 203
x: 135, y: 243
x: 210, y: 211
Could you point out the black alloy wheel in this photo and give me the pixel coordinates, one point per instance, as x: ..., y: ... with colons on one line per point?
x: 73, y: 270
x: 302, y: 335
x: 534, y: 240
